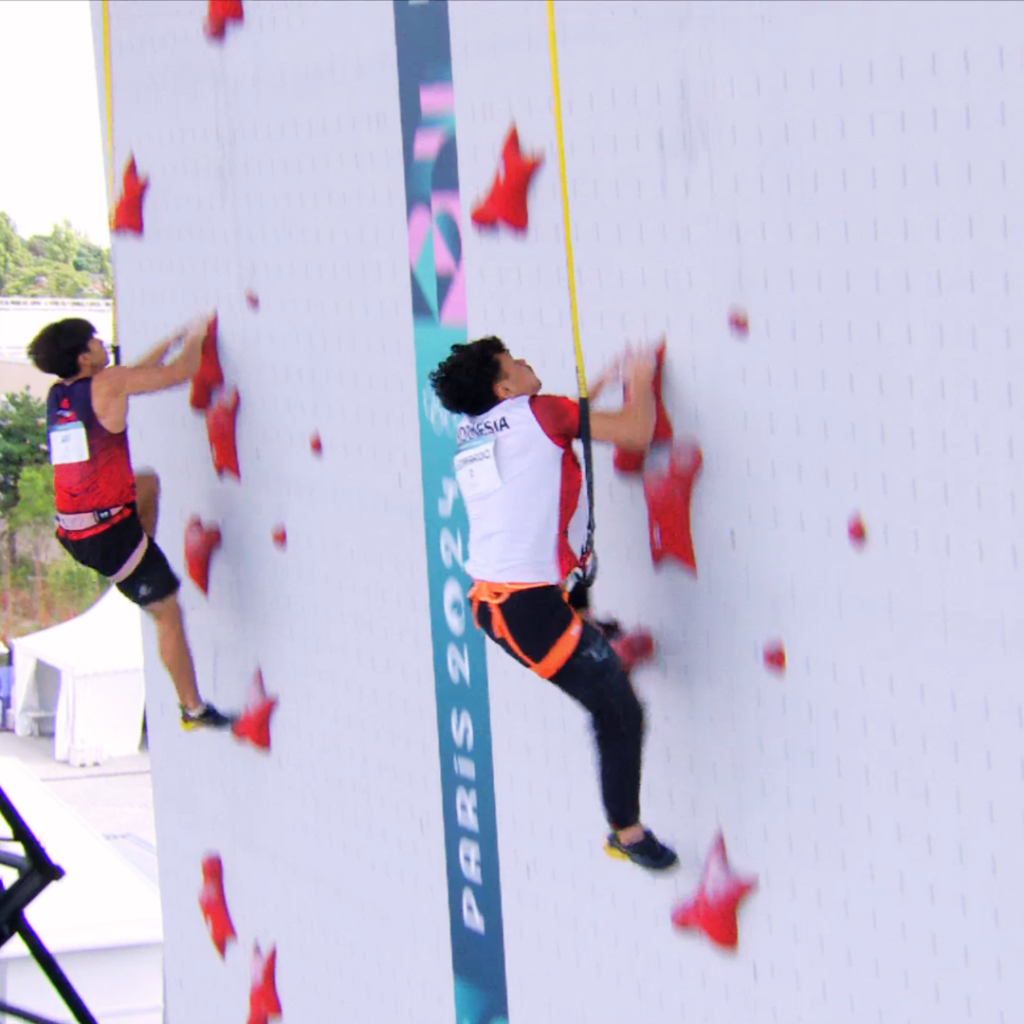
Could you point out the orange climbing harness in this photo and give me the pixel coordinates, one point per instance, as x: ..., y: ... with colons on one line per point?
x: 494, y: 596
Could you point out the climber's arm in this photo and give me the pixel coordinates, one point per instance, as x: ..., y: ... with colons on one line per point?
x: 155, y: 356
x: 633, y: 425
x: 118, y: 382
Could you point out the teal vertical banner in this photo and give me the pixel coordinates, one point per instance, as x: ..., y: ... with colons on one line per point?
x: 426, y: 95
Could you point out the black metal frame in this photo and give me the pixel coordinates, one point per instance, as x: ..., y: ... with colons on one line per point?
x: 35, y: 872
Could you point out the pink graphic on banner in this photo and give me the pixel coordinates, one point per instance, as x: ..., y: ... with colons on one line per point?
x: 427, y: 142
x: 444, y: 202
x: 419, y: 225
x: 437, y: 99
x: 453, y: 311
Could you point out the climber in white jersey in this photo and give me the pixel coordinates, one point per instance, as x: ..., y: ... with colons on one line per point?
x: 521, y: 484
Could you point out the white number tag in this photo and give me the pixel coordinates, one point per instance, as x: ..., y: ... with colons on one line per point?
x: 476, y: 469
x: 68, y: 443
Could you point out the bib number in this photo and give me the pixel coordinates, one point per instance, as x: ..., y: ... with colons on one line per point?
x: 68, y: 444
x: 476, y: 470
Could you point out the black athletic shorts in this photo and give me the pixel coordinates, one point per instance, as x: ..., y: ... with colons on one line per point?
x: 108, y: 551
x: 535, y: 625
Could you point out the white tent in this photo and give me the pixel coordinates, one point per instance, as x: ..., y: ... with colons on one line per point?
x: 87, y: 675
x: 102, y: 920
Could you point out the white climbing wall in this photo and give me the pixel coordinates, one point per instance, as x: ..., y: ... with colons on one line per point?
x: 849, y: 175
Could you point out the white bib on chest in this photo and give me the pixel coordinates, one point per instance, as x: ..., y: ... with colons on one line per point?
x: 510, y: 475
x: 68, y: 444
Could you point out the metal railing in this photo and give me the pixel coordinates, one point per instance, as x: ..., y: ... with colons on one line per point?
x: 20, y: 318
x: 35, y: 872
x: 54, y: 302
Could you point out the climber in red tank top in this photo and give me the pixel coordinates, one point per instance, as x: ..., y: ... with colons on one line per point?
x: 104, y: 479
x: 106, y: 516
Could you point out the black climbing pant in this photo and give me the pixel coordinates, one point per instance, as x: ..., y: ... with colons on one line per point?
x: 593, y: 675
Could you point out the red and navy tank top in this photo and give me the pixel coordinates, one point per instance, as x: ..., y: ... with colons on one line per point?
x: 92, y: 468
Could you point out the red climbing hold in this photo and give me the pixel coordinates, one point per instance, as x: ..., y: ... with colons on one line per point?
x: 263, y: 1002
x: 633, y: 648
x: 252, y: 300
x: 668, y: 505
x: 200, y: 544
x: 506, y: 201
x: 209, y: 376
x: 128, y: 210
x: 253, y: 725
x: 739, y: 322
x: 221, y: 418
x: 712, y: 909
x: 218, y: 14
x: 775, y: 656
x: 280, y: 537
x: 626, y: 461
x: 316, y: 445
x: 857, y: 531
x: 213, y: 905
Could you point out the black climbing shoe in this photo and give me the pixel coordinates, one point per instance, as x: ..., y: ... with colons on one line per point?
x: 647, y: 852
x: 208, y: 718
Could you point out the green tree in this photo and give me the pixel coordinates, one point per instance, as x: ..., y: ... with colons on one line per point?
x: 35, y: 498
x: 46, y: 278
x: 91, y: 259
x: 33, y: 514
x: 22, y: 442
x: 63, y: 243
x: 63, y: 263
x: 12, y: 250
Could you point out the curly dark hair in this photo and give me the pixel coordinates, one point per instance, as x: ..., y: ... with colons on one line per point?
x: 464, y: 382
x: 56, y: 348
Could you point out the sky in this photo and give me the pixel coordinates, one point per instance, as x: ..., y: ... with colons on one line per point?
x: 51, y: 144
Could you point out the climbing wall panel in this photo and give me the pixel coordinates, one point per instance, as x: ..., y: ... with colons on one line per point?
x: 838, y: 175
x: 256, y: 185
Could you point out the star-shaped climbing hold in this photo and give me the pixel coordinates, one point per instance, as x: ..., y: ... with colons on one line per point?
x: 213, y: 904
x: 739, y: 322
x: 775, y: 656
x: 127, y: 217
x: 218, y: 14
x: 263, y: 1002
x: 200, y: 544
x: 626, y: 461
x: 633, y: 648
x: 253, y: 725
x: 209, y: 376
x: 221, y: 418
x: 857, y: 530
x: 712, y: 908
x: 668, y: 505
x: 506, y: 202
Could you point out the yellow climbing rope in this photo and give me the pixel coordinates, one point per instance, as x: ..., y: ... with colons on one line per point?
x: 587, y: 558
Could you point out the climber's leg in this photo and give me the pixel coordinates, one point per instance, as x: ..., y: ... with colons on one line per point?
x: 128, y: 558
x: 595, y: 678
x: 147, y: 500
x: 592, y: 675
x: 174, y: 651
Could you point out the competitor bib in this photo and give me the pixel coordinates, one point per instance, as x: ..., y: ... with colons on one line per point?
x: 68, y: 444
x: 476, y: 470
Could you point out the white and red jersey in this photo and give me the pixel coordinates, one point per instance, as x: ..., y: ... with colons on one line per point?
x: 521, y: 483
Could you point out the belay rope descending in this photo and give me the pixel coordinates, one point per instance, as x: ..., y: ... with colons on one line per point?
x: 588, y: 558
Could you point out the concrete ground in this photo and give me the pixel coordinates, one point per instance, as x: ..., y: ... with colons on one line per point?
x: 115, y: 798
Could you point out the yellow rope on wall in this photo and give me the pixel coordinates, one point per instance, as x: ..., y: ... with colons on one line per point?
x: 580, y: 373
